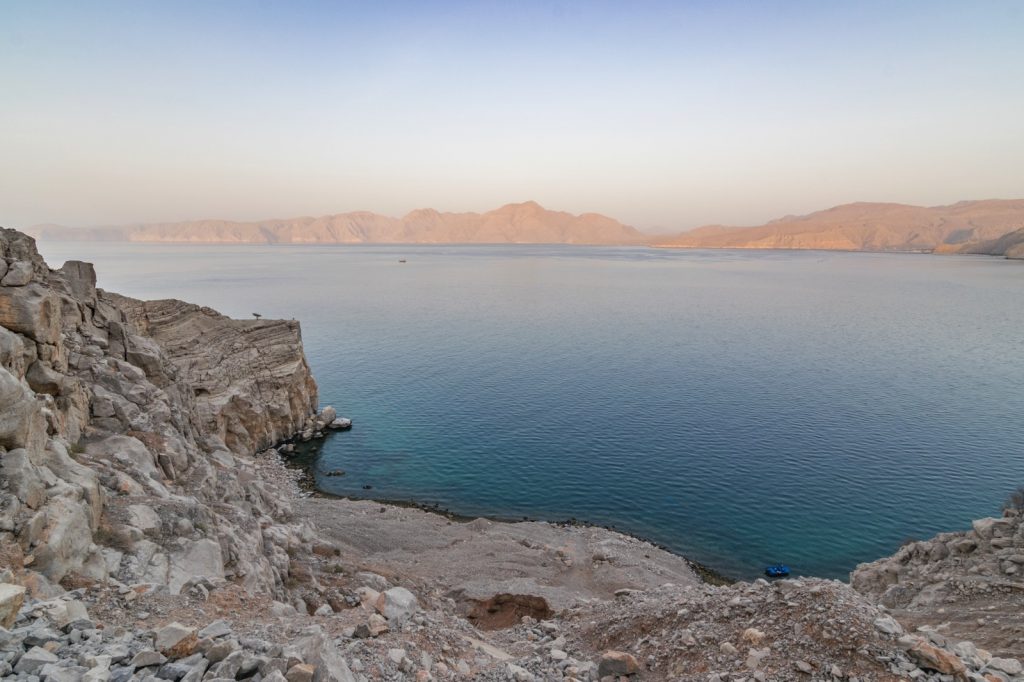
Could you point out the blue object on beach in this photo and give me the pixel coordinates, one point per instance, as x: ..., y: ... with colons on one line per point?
x: 777, y: 571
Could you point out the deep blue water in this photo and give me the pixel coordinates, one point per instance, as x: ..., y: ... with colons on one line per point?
x: 739, y: 407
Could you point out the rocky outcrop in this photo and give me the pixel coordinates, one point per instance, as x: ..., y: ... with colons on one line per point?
x: 970, y: 584
x: 251, y: 384
x: 127, y: 431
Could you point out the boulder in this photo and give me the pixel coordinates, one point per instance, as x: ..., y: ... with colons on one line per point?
x: 319, y: 651
x: 81, y: 279
x: 143, y: 517
x: 148, y: 657
x: 43, y: 379
x: 64, y: 612
x: 34, y: 659
x: 176, y: 640
x: 374, y: 626
x: 300, y: 672
x: 19, y: 273
x: 616, y: 663
x: 933, y: 658
x: 1010, y: 666
x: 373, y: 580
x: 397, y: 604
x: 218, y: 628
x: 368, y: 597
x: 888, y: 625
x: 987, y: 528
x: 221, y: 650
x: 11, y: 598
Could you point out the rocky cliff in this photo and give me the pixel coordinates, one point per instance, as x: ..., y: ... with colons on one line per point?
x: 127, y: 430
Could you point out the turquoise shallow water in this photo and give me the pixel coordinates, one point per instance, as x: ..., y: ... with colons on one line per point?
x: 742, y: 408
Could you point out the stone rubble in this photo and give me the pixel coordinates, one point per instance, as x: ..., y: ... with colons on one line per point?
x: 965, y: 585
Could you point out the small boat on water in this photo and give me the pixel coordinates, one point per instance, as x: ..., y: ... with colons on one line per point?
x: 777, y: 571
x: 401, y: 260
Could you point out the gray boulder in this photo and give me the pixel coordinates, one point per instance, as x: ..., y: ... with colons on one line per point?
x: 34, y: 659
x: 397, y: 604
x: 19, y: 273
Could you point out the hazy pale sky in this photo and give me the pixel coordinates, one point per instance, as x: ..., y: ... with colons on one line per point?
x: 662, y: 114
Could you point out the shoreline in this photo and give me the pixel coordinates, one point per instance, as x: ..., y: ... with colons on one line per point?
x: 306, y: 483
x: 653, y: 246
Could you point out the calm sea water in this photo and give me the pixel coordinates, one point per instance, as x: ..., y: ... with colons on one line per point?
x: 739, y: 407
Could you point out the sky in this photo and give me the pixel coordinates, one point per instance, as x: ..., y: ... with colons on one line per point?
x: 664, y: 115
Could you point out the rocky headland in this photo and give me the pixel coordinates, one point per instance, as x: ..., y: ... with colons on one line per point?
x: 150, y: 530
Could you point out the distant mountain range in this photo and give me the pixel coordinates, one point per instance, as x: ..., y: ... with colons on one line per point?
x: 992, y: 227
x: 525, y: 223
x: 965, y: 227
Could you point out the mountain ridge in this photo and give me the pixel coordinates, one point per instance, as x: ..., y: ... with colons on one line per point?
x: 515, y: 223
x: 869, y: 226
x: 972, y: 226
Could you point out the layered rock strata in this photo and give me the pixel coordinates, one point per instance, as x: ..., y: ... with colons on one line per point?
x: 127, y: 432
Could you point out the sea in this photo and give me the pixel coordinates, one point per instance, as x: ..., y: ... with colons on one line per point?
x: 741, y: 408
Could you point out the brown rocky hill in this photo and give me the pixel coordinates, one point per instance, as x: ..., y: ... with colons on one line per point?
x: 1010, y: 245
x: 524, y: 223
x: 869, y: 227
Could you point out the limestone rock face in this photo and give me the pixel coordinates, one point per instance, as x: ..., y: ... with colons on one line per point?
x: 21, y: 419
x: 127, y: 431
x: 31, y: 310
x: 252, y: 385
